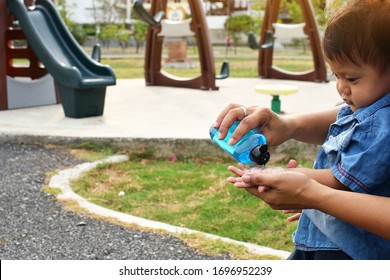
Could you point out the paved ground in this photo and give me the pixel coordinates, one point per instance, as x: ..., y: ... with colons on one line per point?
x: 34, y: 226
x: 133, y: 110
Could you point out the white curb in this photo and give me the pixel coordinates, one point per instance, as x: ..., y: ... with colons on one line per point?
x: 62, y: 181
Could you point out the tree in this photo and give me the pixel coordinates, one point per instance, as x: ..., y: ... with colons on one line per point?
x: 76, y: 29
x: 140, y: 32
x: 78, y: 32
x: 236, y: 25
x: 295, y: 12
x: 110, y: 11
x: 108, y: 34
x: 123, y: 36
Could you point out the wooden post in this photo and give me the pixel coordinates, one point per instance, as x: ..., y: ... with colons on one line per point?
x: 154, y: 44
x: 3, y: 55
x: 265, y: 63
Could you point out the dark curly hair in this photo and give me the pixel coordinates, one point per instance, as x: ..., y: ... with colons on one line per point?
x: 360, y: 33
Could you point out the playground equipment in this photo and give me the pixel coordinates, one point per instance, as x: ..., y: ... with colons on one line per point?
x: 275, y: 91
x: 24, y: 82
x: 96, y: 53
x: 160, y: 28
x: 81, y: 81
x: 271, y: 29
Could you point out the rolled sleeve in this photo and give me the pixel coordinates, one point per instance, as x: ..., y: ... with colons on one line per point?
x: 364, y: 166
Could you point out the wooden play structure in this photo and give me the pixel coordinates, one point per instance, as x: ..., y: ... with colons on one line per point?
x: 226, y: 7
x: 271, y: 30
x: 159, y: 28
x: 26, y: 83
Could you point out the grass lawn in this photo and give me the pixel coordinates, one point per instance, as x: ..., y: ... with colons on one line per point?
x: 130, y: 68
x: 243, y: 64
x: 191, y: 193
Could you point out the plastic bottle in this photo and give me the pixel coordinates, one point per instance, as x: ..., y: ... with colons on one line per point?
x: 251, y: 149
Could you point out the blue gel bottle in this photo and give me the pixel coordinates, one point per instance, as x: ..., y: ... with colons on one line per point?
x: 251, y: 149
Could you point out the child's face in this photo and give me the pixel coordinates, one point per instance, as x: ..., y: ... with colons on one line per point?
x: 359, y: 85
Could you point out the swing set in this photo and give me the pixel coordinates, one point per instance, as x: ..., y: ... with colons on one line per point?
x: 271, y: 30
x: 160, y: 28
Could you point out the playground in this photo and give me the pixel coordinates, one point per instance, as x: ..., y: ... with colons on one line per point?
x: 78, y: 100
x: 58, y: 70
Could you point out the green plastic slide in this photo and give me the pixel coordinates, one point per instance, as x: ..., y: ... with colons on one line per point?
x: 81, y: 81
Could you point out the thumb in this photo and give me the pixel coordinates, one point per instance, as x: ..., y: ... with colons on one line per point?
x: 292, y: 163
x: 259, y: 179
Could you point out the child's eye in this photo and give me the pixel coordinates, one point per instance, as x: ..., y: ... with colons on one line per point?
x: 334, y: 74
x: 351, y: 80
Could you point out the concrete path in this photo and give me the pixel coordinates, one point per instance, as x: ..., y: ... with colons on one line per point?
x: 133, y: 110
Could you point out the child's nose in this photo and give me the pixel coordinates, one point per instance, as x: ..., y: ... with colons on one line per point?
x: 343, y: 87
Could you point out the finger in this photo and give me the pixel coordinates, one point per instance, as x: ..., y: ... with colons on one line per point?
x: 228, y: 117
x: 294, y: 218
x: 256, y: 178
x: 234, y: 179
x: 239, y: 172
x: 264, y: 177
x: 241, y: 184
x: 262, y: 189
x: 243, y: 127
x: 254, y: 120
x: 291, y: 211
x: 292, y: 163
x: 233, y: 115
x: 223, y: 114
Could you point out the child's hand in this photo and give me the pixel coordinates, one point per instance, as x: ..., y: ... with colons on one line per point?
x: 241, y: 171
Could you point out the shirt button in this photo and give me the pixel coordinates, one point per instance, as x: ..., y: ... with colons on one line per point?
x: 331, y: 137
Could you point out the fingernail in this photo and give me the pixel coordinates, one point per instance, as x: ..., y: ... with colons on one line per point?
x: 231, y: 141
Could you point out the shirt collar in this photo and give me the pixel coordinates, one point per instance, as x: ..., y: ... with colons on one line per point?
x: 363, y: 113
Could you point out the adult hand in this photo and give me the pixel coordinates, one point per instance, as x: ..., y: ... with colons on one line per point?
x: 282, y: 191
x: 240, y: 171
x: 239, y: 183
x: 270, y: 124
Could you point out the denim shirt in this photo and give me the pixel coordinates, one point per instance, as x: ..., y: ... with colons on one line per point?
x: 357, y: 151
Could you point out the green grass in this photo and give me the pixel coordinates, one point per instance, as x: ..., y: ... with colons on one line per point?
x: 243, y: 64
x: 188, y: 193
x: 130, y: 68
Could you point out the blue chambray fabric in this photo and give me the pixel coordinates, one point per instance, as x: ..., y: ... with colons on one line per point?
x: 357, y: 150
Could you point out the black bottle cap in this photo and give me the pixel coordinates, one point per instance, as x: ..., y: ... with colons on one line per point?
x: 260, y: 154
